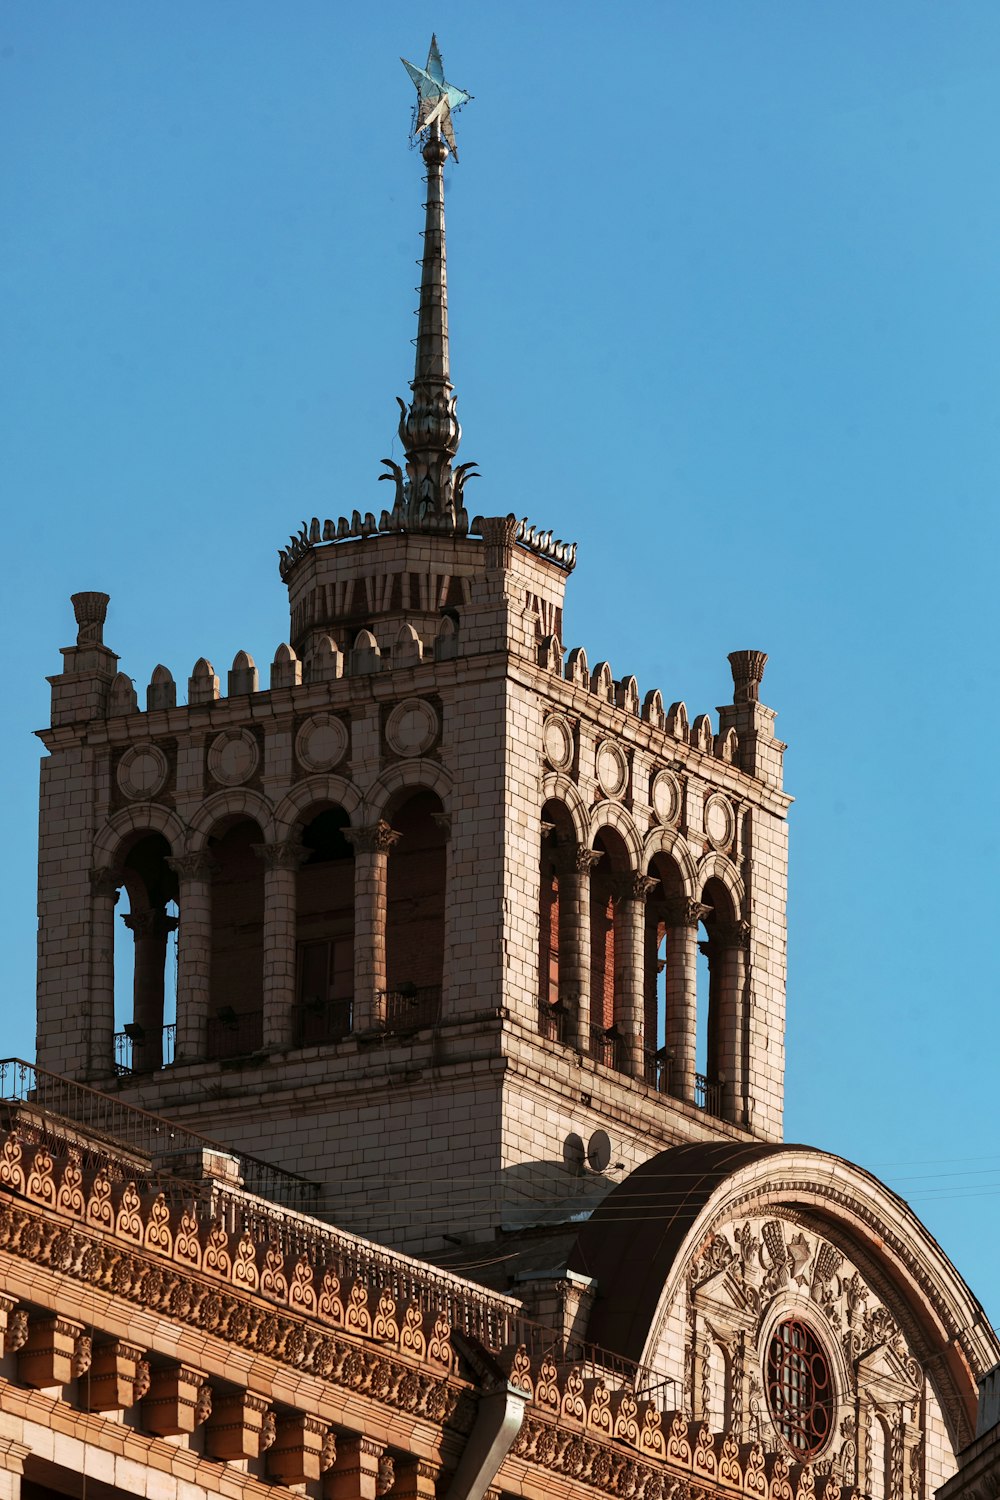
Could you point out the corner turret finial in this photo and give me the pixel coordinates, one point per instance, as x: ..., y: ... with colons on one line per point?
x: 430, y: 499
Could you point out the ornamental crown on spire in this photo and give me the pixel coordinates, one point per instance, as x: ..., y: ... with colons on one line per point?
x: 437, y: 100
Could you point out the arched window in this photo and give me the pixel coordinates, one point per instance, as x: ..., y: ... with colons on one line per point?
x: 235, y: 1020
x: 606, y: 948
x: 557, y: 837
x: 324, y: 931
x: 663, y: 980
x: 415, y: 913
x: 720, y: 1022
x: 145, y: 958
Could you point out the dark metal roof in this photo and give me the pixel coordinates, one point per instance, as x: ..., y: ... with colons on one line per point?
x: 630, y: 1241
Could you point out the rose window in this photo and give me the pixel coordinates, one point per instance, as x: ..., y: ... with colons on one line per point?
x: 799, y: 1388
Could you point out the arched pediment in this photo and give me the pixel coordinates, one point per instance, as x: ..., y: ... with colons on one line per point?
x: 753, y: 1234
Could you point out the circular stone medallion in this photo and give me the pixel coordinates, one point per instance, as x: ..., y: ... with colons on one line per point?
x: 233, y: 757
x: 557, y: 742
x: 719, y: 821
x: 142, y: 771
x: 412, y: 727
x: 612, y: 769
x: 666, y: 797
x: 321, y: 743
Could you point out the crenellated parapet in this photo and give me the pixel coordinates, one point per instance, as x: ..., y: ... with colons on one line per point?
x: 316, y: 533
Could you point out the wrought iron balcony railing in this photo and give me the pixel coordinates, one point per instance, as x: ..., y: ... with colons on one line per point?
x: 708, y: 1094
x: 319, y: 1023
x: 140, y: 1051
x: 551, y: 1020
x: 606, y: 1047
x: 411, y: 1007
x: 233, y: 1034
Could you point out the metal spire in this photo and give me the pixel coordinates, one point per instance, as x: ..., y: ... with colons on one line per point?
x: 430, y: 499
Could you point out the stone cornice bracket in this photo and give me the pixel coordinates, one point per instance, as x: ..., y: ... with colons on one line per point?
x: 200, y: 866
x: 681, y: 911
x: 376, y: 838
x: 287, y: 855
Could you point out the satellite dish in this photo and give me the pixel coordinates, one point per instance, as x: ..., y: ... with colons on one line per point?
x: 599, y: 1151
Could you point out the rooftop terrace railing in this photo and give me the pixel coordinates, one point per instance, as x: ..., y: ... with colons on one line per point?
x: 137, y: 1131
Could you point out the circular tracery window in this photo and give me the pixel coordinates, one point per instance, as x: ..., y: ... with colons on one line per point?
x: 799, y: 1388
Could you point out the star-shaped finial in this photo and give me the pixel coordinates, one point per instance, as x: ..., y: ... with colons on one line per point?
x: 436, y: 99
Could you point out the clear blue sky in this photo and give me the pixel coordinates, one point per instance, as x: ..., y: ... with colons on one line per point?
x: 725, y: 307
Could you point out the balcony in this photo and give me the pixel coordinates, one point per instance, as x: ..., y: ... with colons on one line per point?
x: 318, y: 1023
x: 551, y: 1020
x: 230, y: 1034
x: 140, y: 1051
x: 659, y: 1074
x: 708, y: 1094
x: 411, y: 1007
x: 606, y: 1047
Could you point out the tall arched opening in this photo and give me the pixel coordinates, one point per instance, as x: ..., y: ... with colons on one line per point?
x: 415, y: 912
x: 606, y: 947
x: 665, y: 1018
x: 324, y: 930
x: 235, y: 1019
x: 555, y: 1003
x: 145, y: 959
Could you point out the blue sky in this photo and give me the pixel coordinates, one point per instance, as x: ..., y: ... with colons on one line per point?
x: 725, y: 310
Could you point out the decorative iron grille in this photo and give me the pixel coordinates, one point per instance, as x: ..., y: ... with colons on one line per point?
x: 799, y: 1389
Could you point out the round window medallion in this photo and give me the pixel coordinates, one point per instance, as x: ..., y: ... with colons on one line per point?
x: 142, y: 771
x: 412, y: 727
x: 666, y: 797
x: 799, y: 1386
x: 719, y: 821
x: 321, y: 743
x: 612, y: 769
x: 233, y: 757
x: 557, y: 742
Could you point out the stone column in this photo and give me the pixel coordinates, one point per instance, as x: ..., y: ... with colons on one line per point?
x: 729, y: 946
x: 194, y: 959
x: 150, y: 930
x: 281, y: 861
x: 371, y: 874
x: 682, y: 918
x: 630, y: 960
x: 104, y: 885
x: 575, y: 864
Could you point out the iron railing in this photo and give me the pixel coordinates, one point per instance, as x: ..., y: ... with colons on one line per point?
x: 708, y: 1094
x: 606, y: 1047
x: 658, y: 1071
x: 320, y: 1022
x: 56, y: 1102
x: 551, y: 1020
x: 233, y: 1034
x: 411, y: 1007
x: 141, y: 1051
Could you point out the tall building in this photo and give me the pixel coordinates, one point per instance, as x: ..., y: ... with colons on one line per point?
x: 481, y: 957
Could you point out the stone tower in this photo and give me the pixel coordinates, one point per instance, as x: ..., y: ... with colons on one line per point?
x: 439, y: 888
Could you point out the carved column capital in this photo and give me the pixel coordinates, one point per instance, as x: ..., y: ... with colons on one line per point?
x: 105, y: 882
x: 632, y: 887
x: 153, y: 922
x: 732, y: 934
x: 199, y: 866
x: 289, y: 854
x: 576, y: 859
x: 443, y: 821
x: 376, y: 838
x: 681, y: 911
